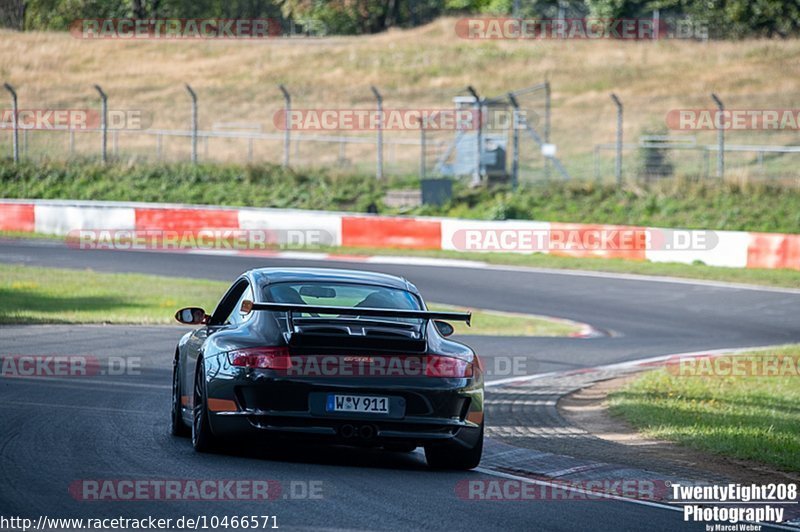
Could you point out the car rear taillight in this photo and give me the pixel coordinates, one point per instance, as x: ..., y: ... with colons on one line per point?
x: 450, y: 367
x: 261, y: 358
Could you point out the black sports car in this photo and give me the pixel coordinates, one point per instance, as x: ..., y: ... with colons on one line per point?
x: 350, y: 357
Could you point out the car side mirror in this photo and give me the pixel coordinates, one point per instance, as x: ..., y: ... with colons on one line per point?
x: 191, y: 316
x: 444, y: 328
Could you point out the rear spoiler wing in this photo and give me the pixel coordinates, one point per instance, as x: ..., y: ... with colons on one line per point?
x: 466, y: 317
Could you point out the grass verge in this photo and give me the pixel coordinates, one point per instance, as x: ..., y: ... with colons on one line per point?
x: 752, y: 276
x: 676, y: 203
x: 53, y: 295
x: 746, y: 417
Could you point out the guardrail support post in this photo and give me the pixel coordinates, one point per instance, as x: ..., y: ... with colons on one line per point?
x: 103, y: 123
x: 15, y: 111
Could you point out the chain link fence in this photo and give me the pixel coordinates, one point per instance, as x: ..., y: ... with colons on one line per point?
x: 527, y: 135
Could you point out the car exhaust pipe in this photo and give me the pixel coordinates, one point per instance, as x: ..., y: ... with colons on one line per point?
x: 367, y: 432
x: 347, y: 431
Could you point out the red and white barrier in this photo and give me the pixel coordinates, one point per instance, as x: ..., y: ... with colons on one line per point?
x: 717, y: 248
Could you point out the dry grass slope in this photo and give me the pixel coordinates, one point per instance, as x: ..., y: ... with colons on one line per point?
x: 236, y: 81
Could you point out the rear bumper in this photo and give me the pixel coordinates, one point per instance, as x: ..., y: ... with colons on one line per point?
x: 424, y: 410
x: 351, y: 431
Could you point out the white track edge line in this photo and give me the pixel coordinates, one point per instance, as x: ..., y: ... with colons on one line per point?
x: 633, y: 363
x: 602, y: 495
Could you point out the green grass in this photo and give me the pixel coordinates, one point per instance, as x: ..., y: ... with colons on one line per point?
x: 752, y: 276
x: 497, y: 323
x: 746, y: 417
x: 678, y: 203
x: 52, y: 295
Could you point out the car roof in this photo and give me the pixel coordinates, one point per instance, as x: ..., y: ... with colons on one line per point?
x: 290, y: 275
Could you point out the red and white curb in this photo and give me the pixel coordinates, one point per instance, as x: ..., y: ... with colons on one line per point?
x: 643, y: 364
x: 731, y: 248
x: 553, y: 481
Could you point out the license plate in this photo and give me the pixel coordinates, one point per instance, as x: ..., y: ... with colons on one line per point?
x: 361, y: 404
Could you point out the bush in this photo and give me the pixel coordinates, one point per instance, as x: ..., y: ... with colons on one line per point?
x: 764, y: 206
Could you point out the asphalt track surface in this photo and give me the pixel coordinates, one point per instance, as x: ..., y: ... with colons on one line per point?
x: 54, y: 432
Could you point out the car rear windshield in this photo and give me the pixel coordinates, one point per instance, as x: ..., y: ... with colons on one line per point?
x: 341, y: 295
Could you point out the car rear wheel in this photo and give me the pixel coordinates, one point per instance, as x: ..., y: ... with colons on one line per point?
x: 202, y: 438
x: 454, y: 456
x: 177, y: 426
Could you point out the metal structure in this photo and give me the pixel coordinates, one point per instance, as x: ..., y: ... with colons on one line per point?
x: 478, y: 171
x: 512, y: 97
x: 516, y: 151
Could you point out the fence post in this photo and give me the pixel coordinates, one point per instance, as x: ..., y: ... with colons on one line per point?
x: 720, y: 139
x: 618, y: 162
x: 14, y: 110
x: 515, y: 142
x: 538, y: 139
x: 103, y: 123
x: 379, y: 100
x: 194, y: 122
x: 287, y: 124
x: 422, y: 148
x: 547, y: 108
x: 656, y: 24
x: 476, y: 177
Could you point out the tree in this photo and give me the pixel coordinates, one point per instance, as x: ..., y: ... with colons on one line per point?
x: 12, y: 14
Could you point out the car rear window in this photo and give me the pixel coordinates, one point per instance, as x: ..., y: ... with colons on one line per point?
x: 341, y: 295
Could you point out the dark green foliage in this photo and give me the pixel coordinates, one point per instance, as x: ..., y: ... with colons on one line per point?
x: 724, y: 18
x: 662, y: 203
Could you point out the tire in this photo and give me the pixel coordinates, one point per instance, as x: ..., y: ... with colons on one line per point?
x: 203, y: 439
x: 177, y: 426
x: 454, y: 456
